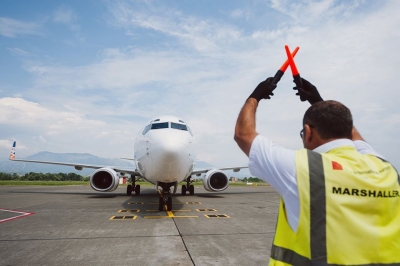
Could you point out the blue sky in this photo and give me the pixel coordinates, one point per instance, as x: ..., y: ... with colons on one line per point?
x: 85, y: 76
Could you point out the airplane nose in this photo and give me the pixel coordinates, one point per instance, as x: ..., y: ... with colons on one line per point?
x: 171, y: 151
x: 171, y: 155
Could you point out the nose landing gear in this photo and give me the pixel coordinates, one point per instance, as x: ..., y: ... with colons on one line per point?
x: 165, y: 196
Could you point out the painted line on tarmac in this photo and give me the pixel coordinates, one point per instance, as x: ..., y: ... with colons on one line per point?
x: 21, y: 214
x: 206, y: 210
x: 170, y: 215
x: 123, y: 217
x: 216, y: 216
x: 134, y: 210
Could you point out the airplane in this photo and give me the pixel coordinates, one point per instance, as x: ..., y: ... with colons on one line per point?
x: 164, y: 155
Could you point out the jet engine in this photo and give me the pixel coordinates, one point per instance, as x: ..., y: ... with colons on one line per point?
x: 215, y: 180
x: 104, y: 180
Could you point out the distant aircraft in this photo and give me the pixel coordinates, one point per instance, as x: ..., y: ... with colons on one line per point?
x: 164, y: 155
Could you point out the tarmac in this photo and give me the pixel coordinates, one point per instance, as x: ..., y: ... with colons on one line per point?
x: 74, y: 225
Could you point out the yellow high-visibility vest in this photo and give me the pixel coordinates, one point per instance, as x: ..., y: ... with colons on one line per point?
x: 349, y: 212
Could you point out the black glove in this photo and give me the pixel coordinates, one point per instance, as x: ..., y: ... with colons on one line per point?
x: 308, y: 93
x: 263, y: 90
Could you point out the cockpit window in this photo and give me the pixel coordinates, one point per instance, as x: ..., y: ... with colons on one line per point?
x: 190, y: 131
x: 146, y: 129
x: 159, y: 125
x: 178, y: 126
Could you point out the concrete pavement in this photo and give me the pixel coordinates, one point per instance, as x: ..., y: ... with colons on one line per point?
x: 74, y: 225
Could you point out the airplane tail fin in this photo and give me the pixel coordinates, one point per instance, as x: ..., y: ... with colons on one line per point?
x: 12, y: 153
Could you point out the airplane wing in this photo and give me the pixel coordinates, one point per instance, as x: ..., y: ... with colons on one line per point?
x: 202, y: 171
x: 77, y: 166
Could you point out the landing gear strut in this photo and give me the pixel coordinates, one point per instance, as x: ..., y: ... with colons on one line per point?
x: 132, y: 187
x: 188, y: 186
x: 165, y: 196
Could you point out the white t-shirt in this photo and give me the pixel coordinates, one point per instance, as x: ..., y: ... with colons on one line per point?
x: 277, y: 166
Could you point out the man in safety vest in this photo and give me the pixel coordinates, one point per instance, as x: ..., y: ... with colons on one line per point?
x: 340, y: 199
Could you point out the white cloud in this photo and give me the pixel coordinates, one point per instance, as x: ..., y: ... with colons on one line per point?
x: 204, y: 68
x: 12, y: 28
x: 20, y: 52
x: 6, y: 144
x: 18, y: 111
x: 308, y: 11
x: 64, y: 15
x: 240, y: 13
x: 201, y: 34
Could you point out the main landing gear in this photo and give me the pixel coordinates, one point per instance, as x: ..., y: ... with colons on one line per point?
x: 165, y: 196
x: 188, y: 186
x: 132, y: 187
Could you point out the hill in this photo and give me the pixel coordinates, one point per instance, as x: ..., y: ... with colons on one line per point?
x: 84, y: 158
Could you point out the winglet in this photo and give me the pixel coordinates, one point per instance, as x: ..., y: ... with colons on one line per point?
x: 12, y: 153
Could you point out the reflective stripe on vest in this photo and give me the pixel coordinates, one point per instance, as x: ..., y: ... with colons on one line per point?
x: 317, y: 222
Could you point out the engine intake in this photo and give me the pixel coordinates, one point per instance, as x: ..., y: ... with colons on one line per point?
x: 215, y: 180
x: 104, y: 180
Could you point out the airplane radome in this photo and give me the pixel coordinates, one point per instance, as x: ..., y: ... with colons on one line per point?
x: 164, y: 155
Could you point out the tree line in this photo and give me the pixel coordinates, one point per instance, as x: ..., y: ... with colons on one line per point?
x: 249, y: 179
x: 43, y: 177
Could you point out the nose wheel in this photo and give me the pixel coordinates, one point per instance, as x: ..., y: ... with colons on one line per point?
x: 165, y: 201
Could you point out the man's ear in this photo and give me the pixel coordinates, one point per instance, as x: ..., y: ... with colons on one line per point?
x: 308, y: 134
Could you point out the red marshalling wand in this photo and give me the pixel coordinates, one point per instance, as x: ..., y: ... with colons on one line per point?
x: 283, y: 68
x: 295, y: 72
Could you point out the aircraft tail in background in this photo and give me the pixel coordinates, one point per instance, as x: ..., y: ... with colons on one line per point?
x: 12, y: 153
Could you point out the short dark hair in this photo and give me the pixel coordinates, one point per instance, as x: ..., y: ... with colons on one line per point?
x: 331, y: 119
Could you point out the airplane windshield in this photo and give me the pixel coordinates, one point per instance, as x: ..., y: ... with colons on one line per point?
x: 178, y: 126
x: 159, y: 125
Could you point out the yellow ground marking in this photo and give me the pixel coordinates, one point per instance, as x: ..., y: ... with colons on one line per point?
x: 171, y: 210
x: 170, y: 215
x: 193, y: 202
x: 123, y: 217
x: 216, y: 216
x: 206, y: 210
x: 135, y: 203
x: 129, y: 211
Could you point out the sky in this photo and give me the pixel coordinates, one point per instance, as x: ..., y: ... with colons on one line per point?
x: 86, y: 76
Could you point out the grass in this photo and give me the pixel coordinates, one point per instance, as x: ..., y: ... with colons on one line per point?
x: 41, y: 183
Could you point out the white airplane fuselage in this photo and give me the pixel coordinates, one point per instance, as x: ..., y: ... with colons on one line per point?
x: 165, y: 150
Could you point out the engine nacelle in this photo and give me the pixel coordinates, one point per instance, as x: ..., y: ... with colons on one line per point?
x: 215, y: 180
x: 104, y: 180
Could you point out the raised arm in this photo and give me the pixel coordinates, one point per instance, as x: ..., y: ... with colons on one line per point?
x: 245, y: 130
x: 355, y: 135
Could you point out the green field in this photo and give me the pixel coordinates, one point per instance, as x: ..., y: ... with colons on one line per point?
x: 42, y: 183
